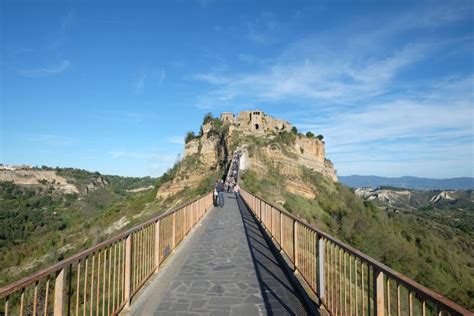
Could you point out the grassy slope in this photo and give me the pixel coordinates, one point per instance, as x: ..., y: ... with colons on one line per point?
x: 35, y: 223
x: 436, y: 255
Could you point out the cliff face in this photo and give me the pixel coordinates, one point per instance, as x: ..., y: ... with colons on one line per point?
x: 265, y: 141
x: 51, y: 178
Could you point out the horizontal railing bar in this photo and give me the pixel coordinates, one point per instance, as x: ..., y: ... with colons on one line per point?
x: 413, y: 285
x: 22, y: 283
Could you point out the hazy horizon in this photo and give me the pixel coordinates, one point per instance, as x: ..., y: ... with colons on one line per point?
x: 115, y: 88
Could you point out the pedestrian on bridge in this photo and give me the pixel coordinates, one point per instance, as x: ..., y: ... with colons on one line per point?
x: 215, y: 193
x: 237, y: 190
x: 220, y: 192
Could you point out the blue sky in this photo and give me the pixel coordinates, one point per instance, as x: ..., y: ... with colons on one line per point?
x: 114, y: 86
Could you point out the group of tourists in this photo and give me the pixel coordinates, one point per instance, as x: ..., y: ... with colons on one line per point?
x: 231, y: 183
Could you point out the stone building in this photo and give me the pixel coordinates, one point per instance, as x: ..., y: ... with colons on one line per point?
x: 228, y: 117
x: 255, y: 122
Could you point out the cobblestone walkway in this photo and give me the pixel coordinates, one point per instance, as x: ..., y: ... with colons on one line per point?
x: 226, y: 267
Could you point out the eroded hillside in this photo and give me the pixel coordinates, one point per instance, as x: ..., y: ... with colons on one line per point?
x: 48, y: 214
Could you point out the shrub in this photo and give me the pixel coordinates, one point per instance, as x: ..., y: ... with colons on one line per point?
x: 189, y: 137
x: 207, y: 118
x: 309, y: 135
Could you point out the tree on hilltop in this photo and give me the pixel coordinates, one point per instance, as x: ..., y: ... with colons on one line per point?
x: 189, y: 137
x: 309, y: 134
x: 208, y: 118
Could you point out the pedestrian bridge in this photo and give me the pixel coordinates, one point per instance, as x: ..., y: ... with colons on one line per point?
x: 248, y: 258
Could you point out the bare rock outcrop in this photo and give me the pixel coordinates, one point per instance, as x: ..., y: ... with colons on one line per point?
x: 28, y: 177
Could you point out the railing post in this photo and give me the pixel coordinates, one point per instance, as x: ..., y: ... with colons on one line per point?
x: 59, y: 293
x: 157, y: 245
x: 295, y: 243
x: 281, y: 231
x: 379, y: 297
x: 174, y: 230
x: 271, y: 220
x: 128, y: 270
x: 320, y: 252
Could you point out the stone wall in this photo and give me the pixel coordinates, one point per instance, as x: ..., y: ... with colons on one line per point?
x: 257, y: 122
x: 212, y: 149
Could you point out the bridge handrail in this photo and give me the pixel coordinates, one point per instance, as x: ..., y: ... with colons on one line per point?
x: 154, y: 240
x: 320, y: 249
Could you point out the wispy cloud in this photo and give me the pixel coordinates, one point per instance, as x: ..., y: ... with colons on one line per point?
x: 143, y: 78
x: 265, y: 29
x: 50, y: 70
x: 126, y: 116
x: 331, y: 66
x: 139, y: 83
x: 404, y: 136
x: 50, y: 139
x: 352, y: 89
x: 156, y: 162
x: 130, y: 154
x: 61, y: 35
x: 175, y: 140
x: 162, y: 77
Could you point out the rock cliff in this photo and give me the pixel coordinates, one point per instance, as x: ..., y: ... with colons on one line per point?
x: 266, y: 141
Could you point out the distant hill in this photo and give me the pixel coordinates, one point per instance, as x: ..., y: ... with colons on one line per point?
x: 356, y: 181
x: 47, y: 214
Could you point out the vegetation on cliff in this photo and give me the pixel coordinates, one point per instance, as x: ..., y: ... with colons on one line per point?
x: 40, y: 225
x: 424, y: 247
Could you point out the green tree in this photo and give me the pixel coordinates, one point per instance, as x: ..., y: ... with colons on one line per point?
x: 189, y: 137
x: 309, y: 135
x: 294, y: 130
x: 208, y: 118
x: 320, y: 137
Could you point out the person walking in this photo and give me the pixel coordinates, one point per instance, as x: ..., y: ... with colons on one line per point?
x: 220, y: 192
x: 215, y: 193
x: 237, y: 190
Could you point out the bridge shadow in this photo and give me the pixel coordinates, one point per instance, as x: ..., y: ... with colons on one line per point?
x: 280, y: 294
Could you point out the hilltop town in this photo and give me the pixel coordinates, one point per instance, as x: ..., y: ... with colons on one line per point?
x: 286, y: 149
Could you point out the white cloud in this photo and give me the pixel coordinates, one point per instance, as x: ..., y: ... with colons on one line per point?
x: 51, y: 140
x: 315, y: 77
x: 143, y: 78
x: 129, y: 154
x: 139, y: 83
x: 162, y: 77
x: 156, y: 162
x: 175, y: 140
x: 50, y: 70
x: 265, y: 29
x: 349, y: 89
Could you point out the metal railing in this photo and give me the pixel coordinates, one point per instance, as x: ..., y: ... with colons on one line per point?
x: 103, y: 279
x: 346, y: 281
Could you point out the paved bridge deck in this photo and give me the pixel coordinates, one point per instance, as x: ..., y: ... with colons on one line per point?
x: 225, y: 267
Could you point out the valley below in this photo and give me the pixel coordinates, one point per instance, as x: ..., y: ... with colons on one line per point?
x: 49, y: 214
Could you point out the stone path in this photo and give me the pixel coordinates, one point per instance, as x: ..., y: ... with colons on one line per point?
x: 225, y: 267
